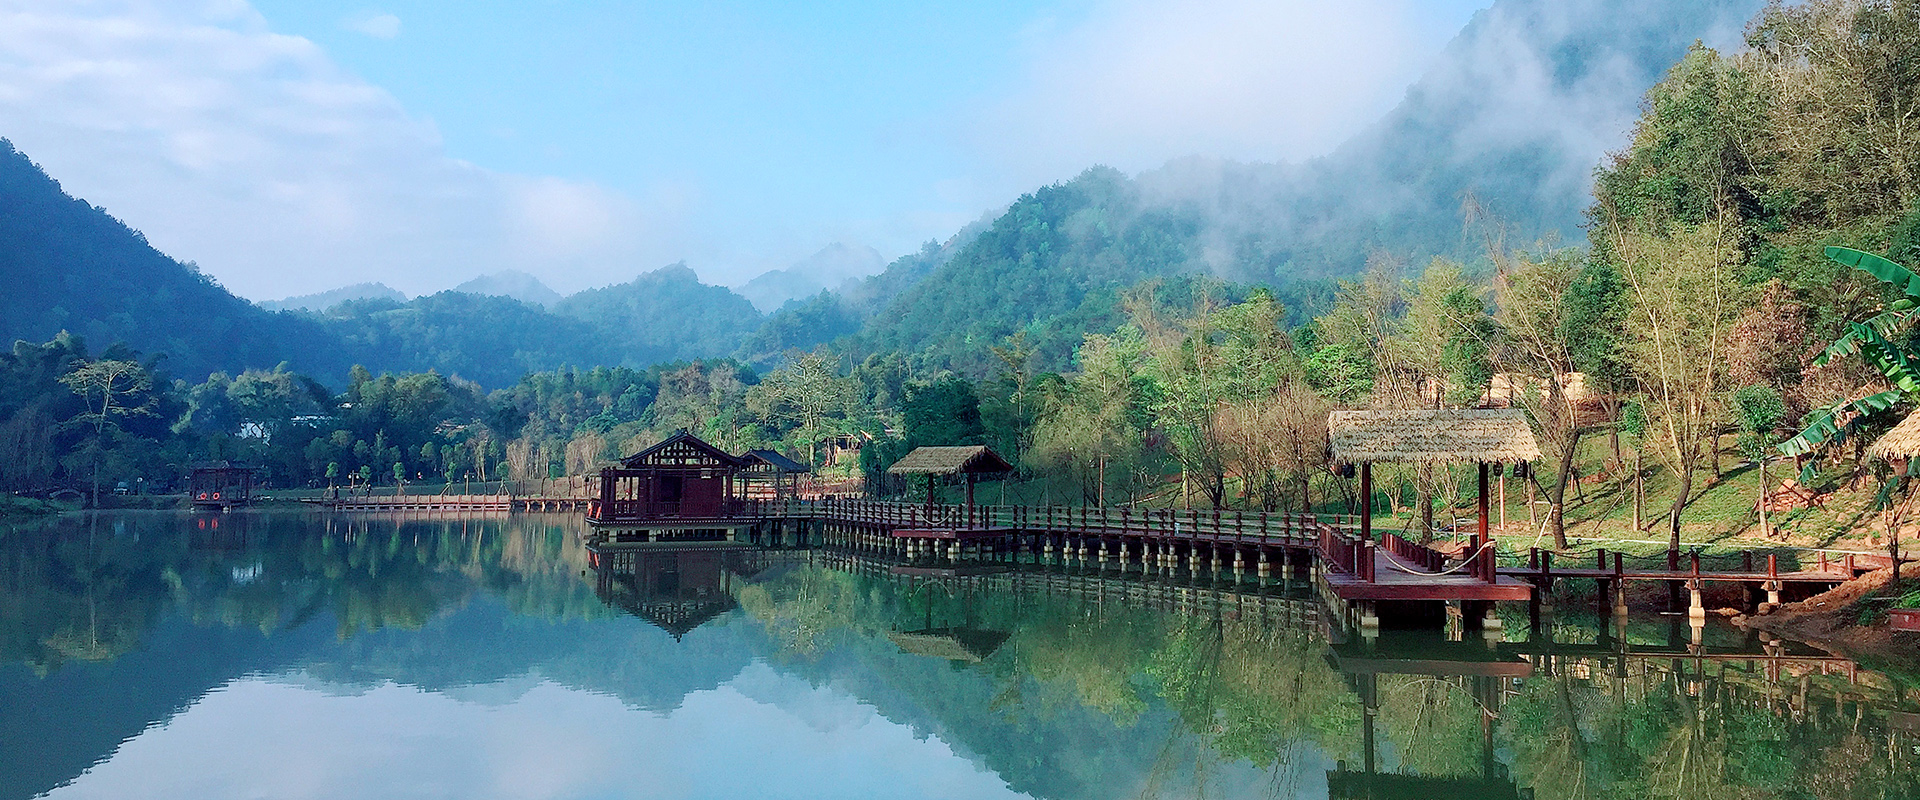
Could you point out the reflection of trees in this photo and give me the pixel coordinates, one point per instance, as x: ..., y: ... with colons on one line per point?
x: 1678, y: 729
x: 88, y: 588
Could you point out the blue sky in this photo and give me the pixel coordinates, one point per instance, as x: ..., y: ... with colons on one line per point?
x: 290, y: 146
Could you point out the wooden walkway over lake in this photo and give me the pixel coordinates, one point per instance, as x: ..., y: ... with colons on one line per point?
x: 450, y: 503
x: 1353, y: 571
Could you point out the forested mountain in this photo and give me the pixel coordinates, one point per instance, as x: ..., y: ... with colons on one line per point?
x: 1511, y: 119
x: 68, y: 265
x: 663, y: 315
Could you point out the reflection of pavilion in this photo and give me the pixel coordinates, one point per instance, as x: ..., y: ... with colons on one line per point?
x: 677, y: 587
x: 1472, y: 666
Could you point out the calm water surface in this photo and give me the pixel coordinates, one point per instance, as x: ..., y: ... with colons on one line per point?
x: 261, y: 655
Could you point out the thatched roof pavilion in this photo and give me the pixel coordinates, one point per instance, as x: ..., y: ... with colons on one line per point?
x: 971, y: 461
x: 976, y: 459
x: 1900, y: 444
x: 1432, y: 436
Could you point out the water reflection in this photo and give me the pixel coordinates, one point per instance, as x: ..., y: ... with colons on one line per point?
x: 286, y: 654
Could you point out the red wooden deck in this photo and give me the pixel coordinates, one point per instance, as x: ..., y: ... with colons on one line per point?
x: 1393, y: 578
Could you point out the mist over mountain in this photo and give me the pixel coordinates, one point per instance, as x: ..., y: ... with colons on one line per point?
x: 1496, y: 142
x: 511, y: 283
x: 321, y: 301
x: 1507, y: 127
x: 832, y: 267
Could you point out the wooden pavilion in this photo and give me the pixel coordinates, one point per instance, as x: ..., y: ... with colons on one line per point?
x: 682, y: 479
x: 771, y: 476
x: 1482, y: 436
x: 220, y: 485
x: 968, y: 462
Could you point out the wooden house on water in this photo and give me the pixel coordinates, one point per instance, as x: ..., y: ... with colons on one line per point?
x: 679, y: 481
x: 220, y: 485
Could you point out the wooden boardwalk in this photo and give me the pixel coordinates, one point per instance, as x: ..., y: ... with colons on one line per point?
x: 451, y: 503
x: 1349, y: 568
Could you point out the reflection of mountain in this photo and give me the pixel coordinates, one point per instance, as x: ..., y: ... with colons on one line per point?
x: 43, y: 743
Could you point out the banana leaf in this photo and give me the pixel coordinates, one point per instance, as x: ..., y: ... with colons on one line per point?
x: 1821, y: 428
x: 1877, y: 267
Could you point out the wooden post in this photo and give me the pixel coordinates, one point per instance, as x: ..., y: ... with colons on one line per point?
x: 1490, y: 574
x: 1366, y: 500
x: 1503, y: 496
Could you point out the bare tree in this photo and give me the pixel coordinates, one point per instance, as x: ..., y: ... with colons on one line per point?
x: 1683, y: 305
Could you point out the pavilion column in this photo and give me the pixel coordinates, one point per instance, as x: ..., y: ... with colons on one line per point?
x: 1366, y: 500
x: 1488, y: 574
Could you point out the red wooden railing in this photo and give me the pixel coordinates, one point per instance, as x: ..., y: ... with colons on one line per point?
x: 1414, y: 555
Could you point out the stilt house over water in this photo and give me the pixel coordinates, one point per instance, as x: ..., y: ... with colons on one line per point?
x: 220, y: 485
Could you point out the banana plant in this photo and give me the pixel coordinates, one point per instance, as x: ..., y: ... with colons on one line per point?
x: 1899, y: 364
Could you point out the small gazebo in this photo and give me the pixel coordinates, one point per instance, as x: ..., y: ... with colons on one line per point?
x: 768, y: 475
x: 970, y: 461
x: 1480, y: 436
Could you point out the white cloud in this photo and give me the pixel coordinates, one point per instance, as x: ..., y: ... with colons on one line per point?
x: 1139, y: 82
x: 255, y: 155
x: 376, y: 25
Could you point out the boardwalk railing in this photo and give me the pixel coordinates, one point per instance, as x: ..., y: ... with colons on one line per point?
x: 1414, y: 555
x: 1219, y: 525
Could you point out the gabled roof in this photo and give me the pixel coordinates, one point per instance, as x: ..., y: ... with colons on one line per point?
x: 212, y: 465
x: 682, y: 437
x: 775, y: 460
x: 972, y: 459
x: 1432, y: 436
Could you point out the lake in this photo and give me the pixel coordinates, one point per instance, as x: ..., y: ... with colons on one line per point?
x: 299, y: 655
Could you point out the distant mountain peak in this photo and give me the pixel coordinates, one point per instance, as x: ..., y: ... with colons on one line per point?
x: 513, y: 284
x: 829, y: 268
x: 321, y: 301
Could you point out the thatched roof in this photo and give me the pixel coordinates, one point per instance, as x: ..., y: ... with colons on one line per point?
x: 1432, y: 436
x: 952, y: 644
x: 1901, y: 442
x: 975, y: 460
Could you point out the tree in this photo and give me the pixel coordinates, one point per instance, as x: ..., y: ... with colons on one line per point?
x: 1683, y: 304
x: 810, y: 394
x: 1095, y: 427
x: 114, y: 390
x: 1441, y: 350
x: 1759, y: 411
x: 1538, y: 353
